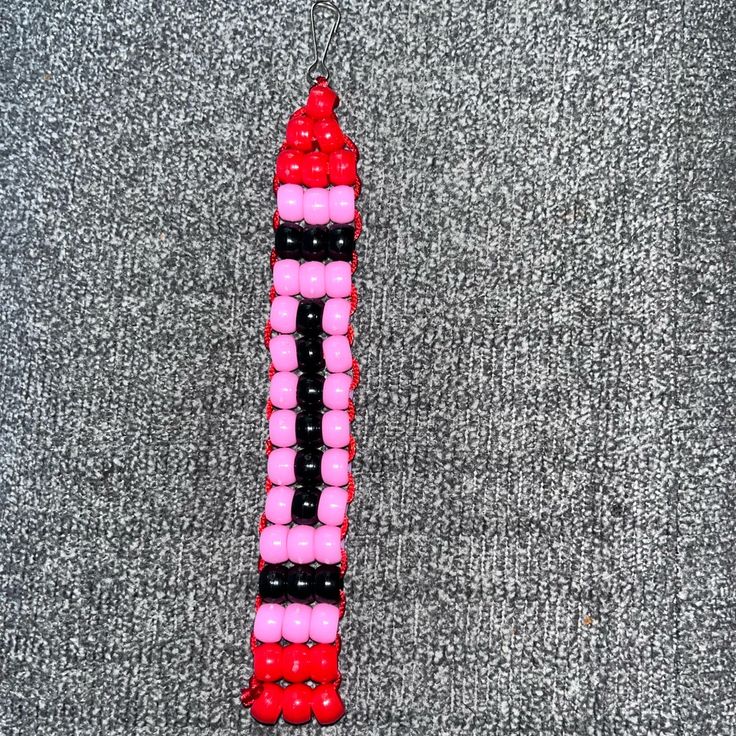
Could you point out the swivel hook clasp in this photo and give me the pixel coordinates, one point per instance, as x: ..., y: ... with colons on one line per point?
x: 318, y: 67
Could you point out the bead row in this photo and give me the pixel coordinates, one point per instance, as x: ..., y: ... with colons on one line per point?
x: 310, y: 448
x: 312, y: 279
x: 305, y: 505
x: 315, y: 243
x: 297, y: 703
x: 316, y: 206
x: 297, y: 622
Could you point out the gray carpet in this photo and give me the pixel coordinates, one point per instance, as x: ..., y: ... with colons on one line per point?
x: 543, y: 537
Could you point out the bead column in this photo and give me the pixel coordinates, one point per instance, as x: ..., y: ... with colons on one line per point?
x: 310, y: 447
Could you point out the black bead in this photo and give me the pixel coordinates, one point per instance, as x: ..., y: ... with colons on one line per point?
x: 272, y: 583
x: 314, y: 244
x: 327, y: 583
x: 308, y: 465
x: 304, y: 506
x: 301, y: 583
x: 309, y: 390
x: 288, y: 240
x: 309, y: 317
x: 341, y: 243
x: 309, y: 355
x: 308, y: 428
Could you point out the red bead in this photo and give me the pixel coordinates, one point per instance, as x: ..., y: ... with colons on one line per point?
x: 297, y: 704
x: 289, y: 165
x: 295, y: 662
x: 323, y: 663
x: 329, y: 135
x: 267, y: 706
x: 267, y: 665
x: 343, y: 167
x: 300, y: 133
x: 321, y: 102
x: 316, y: 166
x: 327, y: 704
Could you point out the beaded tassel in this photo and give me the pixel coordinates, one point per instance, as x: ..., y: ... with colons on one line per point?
x: 310, y: 449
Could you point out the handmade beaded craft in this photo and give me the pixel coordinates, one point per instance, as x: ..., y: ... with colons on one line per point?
x: 310, y: 448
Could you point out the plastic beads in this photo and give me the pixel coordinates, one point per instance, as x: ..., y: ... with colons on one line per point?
x: 313, y: 374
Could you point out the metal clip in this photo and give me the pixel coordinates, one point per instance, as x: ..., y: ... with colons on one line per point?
x: 318, y: 67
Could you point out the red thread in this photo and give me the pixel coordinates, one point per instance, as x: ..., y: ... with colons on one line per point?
x: 343, y: 563
x: 358, y: 225
x: 353, y: 299
x: 276, y: 220
x: 273, y: 257
x: 351, y: 449
x: 351, y: 488
x: 272, y: 294
x: 261, y: 564
x: 356, y: 375
x: 253, y: 640
x: 271, y: 371
x: 351, y: 410
x: 350, y: 334
x: 267, y: 330
x: 342, y: 603
x: 269, y: 408
x: 263, y: 523
x: 354, y: 263
x: 269, y: 485
x: 249, y: 695
x: 269, y: 447
x: 338, y: 646
x: 344, y: 528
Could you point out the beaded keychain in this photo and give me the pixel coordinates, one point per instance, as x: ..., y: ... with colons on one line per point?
x: 310, y: 447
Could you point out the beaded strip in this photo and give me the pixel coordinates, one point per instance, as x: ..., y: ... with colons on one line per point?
x: 310, y: 409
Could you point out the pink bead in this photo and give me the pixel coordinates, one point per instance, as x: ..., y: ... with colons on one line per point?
x: 338, y: 357
x: 283, y: 314
x: 296, y: 623
x: 269, y: 623
x: 338, y: 279
x: 312, y: 280
x: 278, y: 504
x: 335, y: 428
x: 336, y: 316
x: 336, y: 391
x: 286, y: 277
x: 282, y: 428
x: 283, y: 352
x: 333, y: 503
x: 342, y: 204
x: 335, y: 466
x: 282, y: 390
x: 272, y: 543
x: 327, y: 545
x: 290, y: 202
x: 323, y: 624
x: 300, y: 544
x: 281, y: 466
x: 317, y: 206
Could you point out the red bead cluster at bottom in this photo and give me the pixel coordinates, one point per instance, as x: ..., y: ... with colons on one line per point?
x: 297, y: 703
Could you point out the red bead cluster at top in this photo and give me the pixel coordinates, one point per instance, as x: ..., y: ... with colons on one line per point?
x: 314, y: 154
x: 310, y: 447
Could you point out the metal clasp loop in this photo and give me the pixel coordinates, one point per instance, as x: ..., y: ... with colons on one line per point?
x: 318, y: 67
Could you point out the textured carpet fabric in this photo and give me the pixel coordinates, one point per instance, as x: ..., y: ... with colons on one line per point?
x: 542, y: 540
